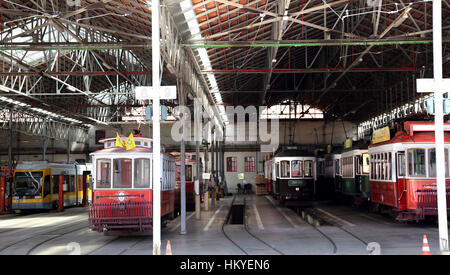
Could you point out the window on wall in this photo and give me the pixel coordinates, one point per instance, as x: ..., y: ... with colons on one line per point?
x: 249, y: 164
x: 231, y: 164
x: 416, y: 162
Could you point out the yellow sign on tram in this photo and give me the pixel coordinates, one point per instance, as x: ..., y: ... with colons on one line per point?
x: 118, y: 142
x: 381, y: 135
x: 348, y: 143
x: 128, y: 143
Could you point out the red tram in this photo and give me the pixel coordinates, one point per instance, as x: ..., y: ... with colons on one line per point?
x: 268, y: 163
x: 122, y: 187
x: 190, y: 177
x: 403, y: 172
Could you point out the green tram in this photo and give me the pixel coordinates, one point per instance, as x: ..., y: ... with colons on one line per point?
x: 355, y: 174
x: 333, y: 170
x: 294, y: 174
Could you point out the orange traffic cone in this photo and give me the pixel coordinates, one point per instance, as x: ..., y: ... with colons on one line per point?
x: 425, y: 247
x: 168, y: 248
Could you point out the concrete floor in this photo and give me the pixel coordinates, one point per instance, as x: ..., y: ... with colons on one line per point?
x: 280, y: 229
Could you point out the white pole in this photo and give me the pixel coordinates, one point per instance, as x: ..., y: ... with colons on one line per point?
x: 156, y: 55
x: 439, y: 126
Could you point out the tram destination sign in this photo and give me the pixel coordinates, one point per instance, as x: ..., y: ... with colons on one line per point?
x: 147, y: 93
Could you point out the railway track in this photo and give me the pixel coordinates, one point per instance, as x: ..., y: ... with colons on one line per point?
x: 72, y: 226
x: 246, y: 231
x: 330, y: 239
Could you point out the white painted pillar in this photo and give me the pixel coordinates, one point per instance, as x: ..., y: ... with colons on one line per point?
x: 439, y: 126
x: 156, y: 56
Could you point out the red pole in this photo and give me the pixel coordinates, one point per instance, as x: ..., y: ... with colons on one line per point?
x: 85, y: 193
x: 61, y: 194
x: 2, y: 193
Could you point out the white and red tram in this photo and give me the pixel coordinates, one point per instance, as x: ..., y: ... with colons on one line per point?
x: 122, y: 187
x: 403, y: 171
x: 190, y: 178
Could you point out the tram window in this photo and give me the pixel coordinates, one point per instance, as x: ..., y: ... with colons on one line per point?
x: 71, y: 183
x: 358, y: 165
x: 122, y: 173
x: 56, y: 184
x: 285, y: 169
x: 366, y: 164
x: 432, y: 162
x: 177, y: 173
x: 46, y: 185
x: 277, y: 170
x: 297, y: 168
x: 188, y: 173
x: 347, y: 167
x: 103, y: 173
x: 308, y: 168
x: 377, y: 167
x: 401, y: 164
x: 389, y: 165
x: 338, y: 167
x: 141, y: 173
x: 28, y: 183
x: 416, y: 162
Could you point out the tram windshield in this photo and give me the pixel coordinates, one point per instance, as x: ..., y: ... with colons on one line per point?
x: 28, y: 183
x: 122, y: 173
x: 297, y: 168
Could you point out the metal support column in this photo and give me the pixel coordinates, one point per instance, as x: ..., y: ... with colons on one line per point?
x: 183, y: 172
x: 213, y: 170
x: 206, y: 181
x: 10, y: 162
x: 197, y: 194
x: 44, y: 140
x: 68, y: 148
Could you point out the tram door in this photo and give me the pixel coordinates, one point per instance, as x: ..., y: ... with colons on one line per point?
x: 358, y: 171
x: 400, y: 160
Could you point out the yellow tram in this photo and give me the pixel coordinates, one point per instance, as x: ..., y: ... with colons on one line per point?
x: 36, y: 184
